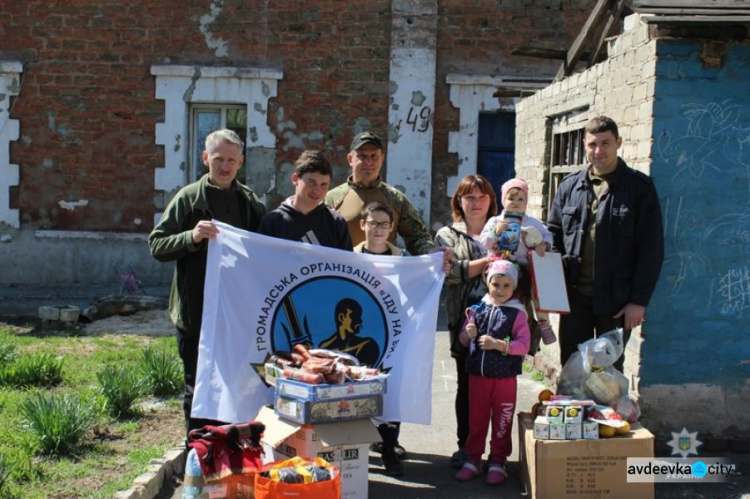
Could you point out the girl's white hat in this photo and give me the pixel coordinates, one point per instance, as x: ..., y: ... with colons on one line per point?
x: 503, y: 267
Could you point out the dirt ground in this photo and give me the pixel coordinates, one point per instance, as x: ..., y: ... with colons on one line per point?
x: 148, y: 322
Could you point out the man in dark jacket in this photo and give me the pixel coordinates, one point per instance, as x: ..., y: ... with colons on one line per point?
x: 182, y: 236
x: 606, y: 222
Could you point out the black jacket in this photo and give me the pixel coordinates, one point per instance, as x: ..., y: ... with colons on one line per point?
x: 629, y: 236
x: 322, y: 226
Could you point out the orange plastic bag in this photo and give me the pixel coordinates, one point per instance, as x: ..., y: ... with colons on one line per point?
x: 271, y: 488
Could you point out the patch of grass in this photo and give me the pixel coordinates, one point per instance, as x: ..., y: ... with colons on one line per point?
x: 6, y: 468
x: 162, y: 370
x: 121, y: 387
x: 128, y: 426
x: 102, y: 464
x: 7, y: 352
x: 58, y: 421
x: 36, y: 369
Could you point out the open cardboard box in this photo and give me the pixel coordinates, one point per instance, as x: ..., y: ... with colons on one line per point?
x: 344, y: 444
x: 576, y: 468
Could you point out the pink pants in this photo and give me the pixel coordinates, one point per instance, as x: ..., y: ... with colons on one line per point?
x: 491, y: 399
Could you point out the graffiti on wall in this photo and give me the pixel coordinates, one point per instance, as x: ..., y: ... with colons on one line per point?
x: 707, y: 204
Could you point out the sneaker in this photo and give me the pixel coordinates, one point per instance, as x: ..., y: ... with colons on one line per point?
x: 546, y: 332
x: 378, y: 447
x: 458, y: 458
x: 468, y: 471
x: 496, y: 474
x: 392, y: 464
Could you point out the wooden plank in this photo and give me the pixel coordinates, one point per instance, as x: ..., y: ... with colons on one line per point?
x: 699, y: 12
x: 575, y: 51
x: 696, y: 19
x: 614, y: 16
x: 541, y: 53
x: 715, y: 4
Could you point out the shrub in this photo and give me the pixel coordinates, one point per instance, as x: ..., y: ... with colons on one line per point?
x: 36, y: 369
x: 121, y: 388
x: 58, y: 421
x: 162, y: 370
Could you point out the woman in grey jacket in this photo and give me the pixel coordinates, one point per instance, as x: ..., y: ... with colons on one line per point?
x: 472, y: 205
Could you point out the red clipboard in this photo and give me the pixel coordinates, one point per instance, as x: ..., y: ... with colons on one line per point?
x: 548, y: 282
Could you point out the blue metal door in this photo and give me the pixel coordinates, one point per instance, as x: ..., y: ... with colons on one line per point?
x: 497, y: 146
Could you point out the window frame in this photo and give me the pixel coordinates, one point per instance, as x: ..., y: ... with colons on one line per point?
x: 197, y: 169
x: 566, y: 132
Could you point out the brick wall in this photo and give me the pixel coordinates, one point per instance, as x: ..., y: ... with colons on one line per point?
x: 87, y: 106
x: 478, y: 38
x: 621, y: 87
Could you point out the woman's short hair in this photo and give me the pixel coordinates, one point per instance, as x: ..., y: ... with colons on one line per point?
x: 465, y: 186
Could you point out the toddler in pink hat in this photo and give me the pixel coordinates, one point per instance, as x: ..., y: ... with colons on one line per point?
x: 510, y: 235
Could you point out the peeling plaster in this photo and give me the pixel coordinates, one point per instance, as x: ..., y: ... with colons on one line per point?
x: 137, y: 221
x: 177, y: 139
x: 253, y: 134
x: 265, y: 89
x: 72, y: 205
x: 14, y: 87
x: 48, y: 163
x: 417, y: 98
x: 188, y: 95
x: 259, y: 108
x: 361, y: 124
x: 219, y: 46
x: 298, y: 141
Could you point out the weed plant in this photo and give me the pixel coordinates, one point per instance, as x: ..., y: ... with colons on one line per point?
x: 58, y: 421
x: 6, y: 468
x: 121, y: 388
x: 7, y: 353
x: 162, y: 371
x: 36, y: 369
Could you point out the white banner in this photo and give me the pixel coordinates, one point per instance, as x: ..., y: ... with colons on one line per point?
x: 264, y: 294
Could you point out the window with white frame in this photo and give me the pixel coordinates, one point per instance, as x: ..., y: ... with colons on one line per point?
x: 191, y: 94
x: 10, y: 86
x: 206, y: 118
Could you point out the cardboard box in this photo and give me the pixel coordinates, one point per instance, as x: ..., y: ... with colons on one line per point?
x: 582, y: 468
x: 555, y: 414
x: 304, y: 391
x: 573, y: 431
x: 590, y: 429
x: 556, y: 431
x: 327, y: 411
x: 574, y: 414
x: 541, y: 428
x: 343, y: 444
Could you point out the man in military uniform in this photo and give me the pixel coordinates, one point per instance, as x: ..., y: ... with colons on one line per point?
x: 364, y: 186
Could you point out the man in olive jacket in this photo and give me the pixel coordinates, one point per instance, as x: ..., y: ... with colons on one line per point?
x: 364, y: 186
x: 182, y: 236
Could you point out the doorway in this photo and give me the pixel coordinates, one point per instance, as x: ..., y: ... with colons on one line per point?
x: 497, y: 147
